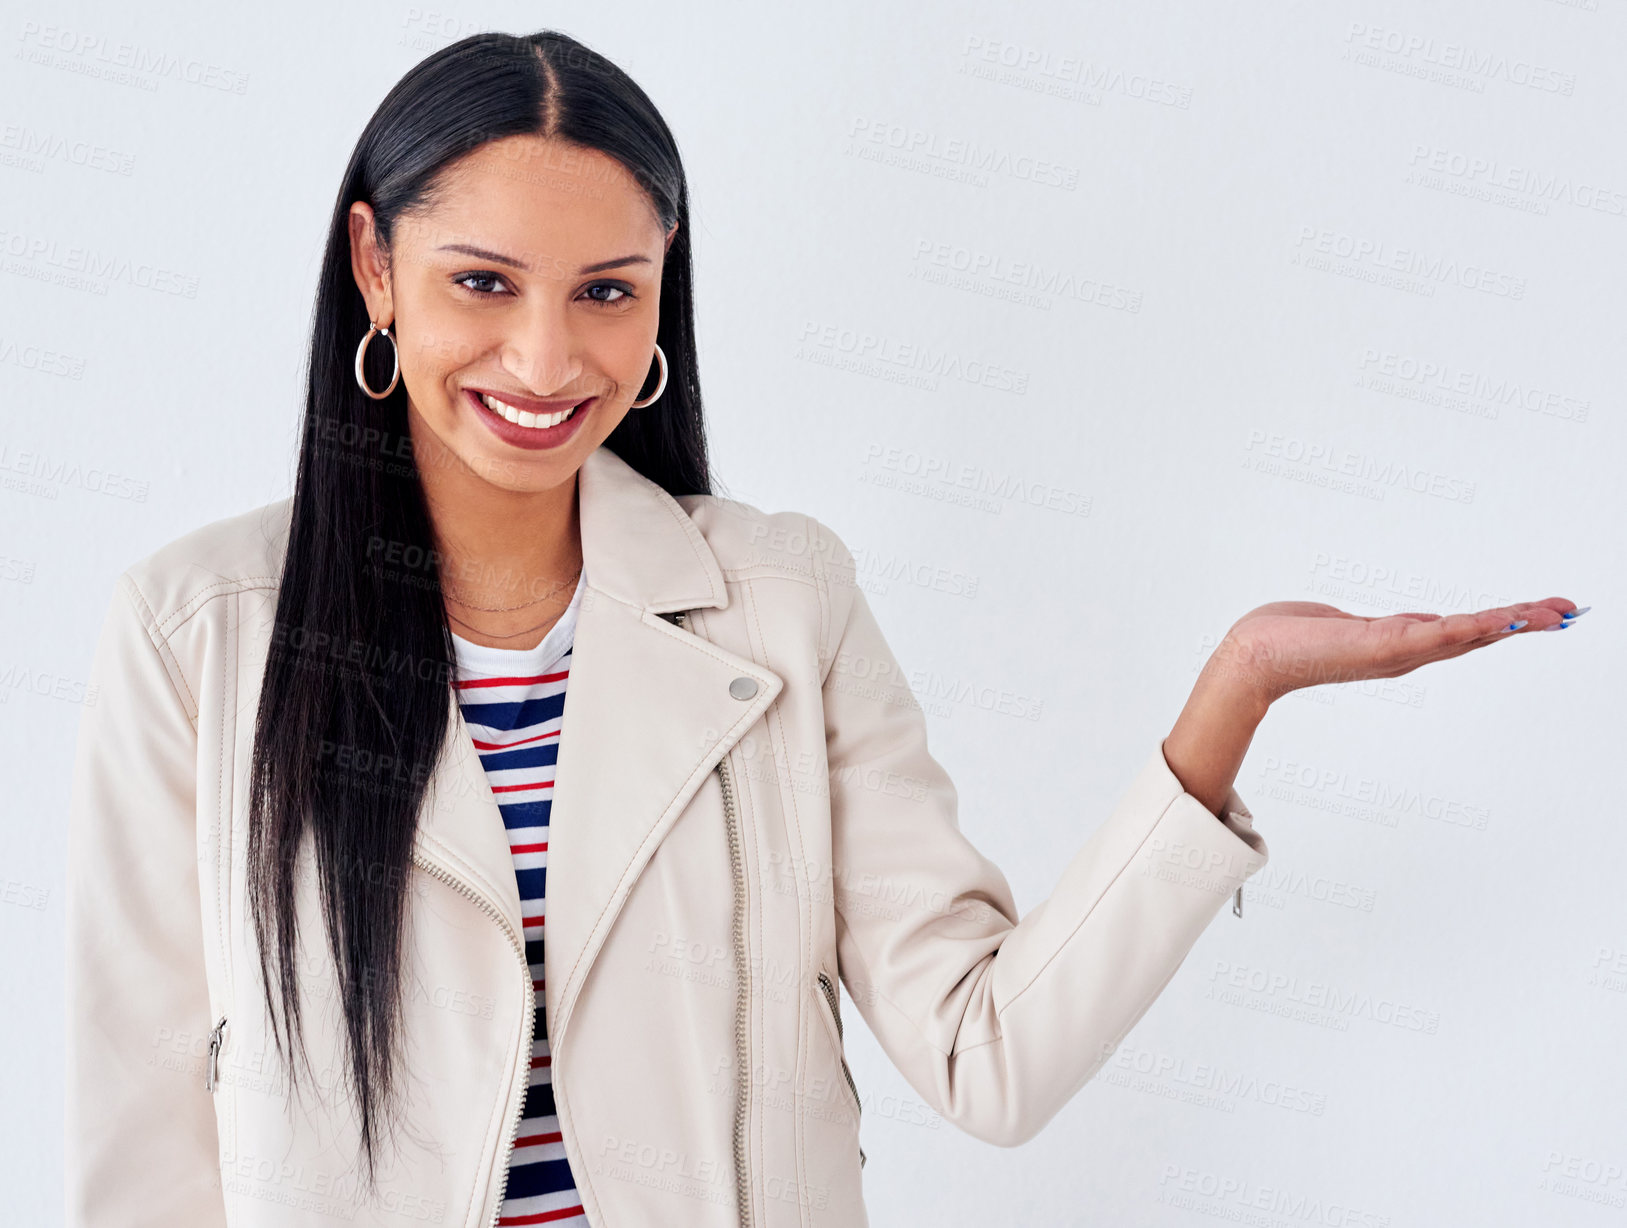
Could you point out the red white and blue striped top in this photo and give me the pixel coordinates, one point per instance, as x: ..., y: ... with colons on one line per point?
x: 513, y: 701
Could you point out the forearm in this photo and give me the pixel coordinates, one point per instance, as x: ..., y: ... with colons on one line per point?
x: 1213, y: 732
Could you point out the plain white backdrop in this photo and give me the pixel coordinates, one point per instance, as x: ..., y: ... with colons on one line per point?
x: 1090, y: 327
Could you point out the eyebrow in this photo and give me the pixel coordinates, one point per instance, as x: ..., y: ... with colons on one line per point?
x: 498, y: 258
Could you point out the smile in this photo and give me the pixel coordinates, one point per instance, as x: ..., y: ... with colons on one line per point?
x: 521, y: 417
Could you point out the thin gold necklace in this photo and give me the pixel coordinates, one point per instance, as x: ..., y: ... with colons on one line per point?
x: 511, y: 636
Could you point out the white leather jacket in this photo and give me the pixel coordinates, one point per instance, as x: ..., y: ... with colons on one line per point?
x: 746, y: 815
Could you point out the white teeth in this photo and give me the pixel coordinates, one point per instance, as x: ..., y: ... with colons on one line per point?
x: 521, y: 417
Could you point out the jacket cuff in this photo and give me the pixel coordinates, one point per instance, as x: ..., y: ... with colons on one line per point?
x: 1234, y: 814
x: 1161, y: 863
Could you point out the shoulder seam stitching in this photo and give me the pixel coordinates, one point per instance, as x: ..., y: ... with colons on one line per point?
x: 184, y: 611
x: 161, y: 645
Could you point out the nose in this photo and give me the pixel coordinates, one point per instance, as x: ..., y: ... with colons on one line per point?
x: 544, y: 353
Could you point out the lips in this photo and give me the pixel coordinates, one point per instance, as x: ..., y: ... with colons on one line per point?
x: 524, y: 428
x: 530, y: 405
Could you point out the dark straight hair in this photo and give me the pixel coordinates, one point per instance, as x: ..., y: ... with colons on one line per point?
x: 357, y: 486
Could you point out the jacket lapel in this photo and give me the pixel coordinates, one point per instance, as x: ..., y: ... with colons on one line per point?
x: 648, y: 714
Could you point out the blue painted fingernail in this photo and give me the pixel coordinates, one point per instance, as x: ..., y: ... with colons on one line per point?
x: 1577, y: 613
x: 1514, y: 626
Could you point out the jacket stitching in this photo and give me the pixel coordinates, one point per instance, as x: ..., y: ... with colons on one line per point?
x: 827, y: 612
x: 777, y: 571
x: 748, y: 597
x: 222, y: 822
x: 698, y: 644
x: 821, y: 589
x: 160, y: 643
x: 209, y: 593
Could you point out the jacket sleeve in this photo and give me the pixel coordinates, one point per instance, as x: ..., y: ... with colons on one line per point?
x: 141, y: 1141
x: 997, y: 1022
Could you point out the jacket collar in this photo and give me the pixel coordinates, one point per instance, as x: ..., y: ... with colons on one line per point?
x: 648, y: 715
x: 638, y: 545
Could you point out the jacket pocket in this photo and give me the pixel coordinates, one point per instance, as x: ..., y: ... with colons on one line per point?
x: 831, y: 1012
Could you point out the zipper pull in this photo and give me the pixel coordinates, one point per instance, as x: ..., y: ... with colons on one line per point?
x: 1237, y: 903
x: 211, y: 1070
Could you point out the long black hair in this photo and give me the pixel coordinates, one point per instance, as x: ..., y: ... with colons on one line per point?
x: 322, y: 734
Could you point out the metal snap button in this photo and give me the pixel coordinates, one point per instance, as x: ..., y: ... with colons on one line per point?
x: 743, y: 688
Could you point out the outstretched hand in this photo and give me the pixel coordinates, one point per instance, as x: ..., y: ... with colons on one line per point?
x: 1286, y: 645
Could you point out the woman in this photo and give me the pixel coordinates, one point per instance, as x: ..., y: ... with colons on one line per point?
x: 313, y: 866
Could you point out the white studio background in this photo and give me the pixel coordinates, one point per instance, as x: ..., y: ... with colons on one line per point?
x: 1090, y: 328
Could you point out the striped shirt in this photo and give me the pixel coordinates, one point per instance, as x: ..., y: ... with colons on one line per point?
x: 512, y: 701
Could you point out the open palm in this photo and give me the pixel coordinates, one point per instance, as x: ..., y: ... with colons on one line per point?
x: 1286, y: 645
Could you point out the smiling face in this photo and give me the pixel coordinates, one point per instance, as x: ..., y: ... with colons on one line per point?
x: 533, y: 280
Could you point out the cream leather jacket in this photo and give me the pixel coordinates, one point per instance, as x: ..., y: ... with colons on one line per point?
x: 746, y: 817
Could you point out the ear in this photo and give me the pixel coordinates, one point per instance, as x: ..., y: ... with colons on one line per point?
x: 668, y: 247
x: 368, y: 266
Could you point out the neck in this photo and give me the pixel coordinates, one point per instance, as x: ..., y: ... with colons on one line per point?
x: 503, y: 548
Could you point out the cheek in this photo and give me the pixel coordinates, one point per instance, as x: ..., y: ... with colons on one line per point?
x: 629, y: 359
x: 446, y: 339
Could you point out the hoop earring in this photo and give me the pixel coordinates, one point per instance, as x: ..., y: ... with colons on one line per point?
x: 395, y: 355
x: 660, y: 385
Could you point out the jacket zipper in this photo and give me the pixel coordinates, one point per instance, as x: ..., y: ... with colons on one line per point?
x: 211, y: 1070
x: 1237, y: 904
x: 742, y: 1056
x: 829, y: 987
x: 530, y: 1019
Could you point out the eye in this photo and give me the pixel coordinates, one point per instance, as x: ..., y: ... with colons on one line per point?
x: 619, y: 294
x: 462, y: 278
x: 624, y: 291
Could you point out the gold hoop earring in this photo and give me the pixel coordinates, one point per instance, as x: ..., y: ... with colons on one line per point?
x: 660, y: 385
x: 395, y: 355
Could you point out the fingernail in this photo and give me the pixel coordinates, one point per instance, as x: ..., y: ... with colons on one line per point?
x: 1577, y: 613
x: 1559, y: 626
x: 1515, y: 626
